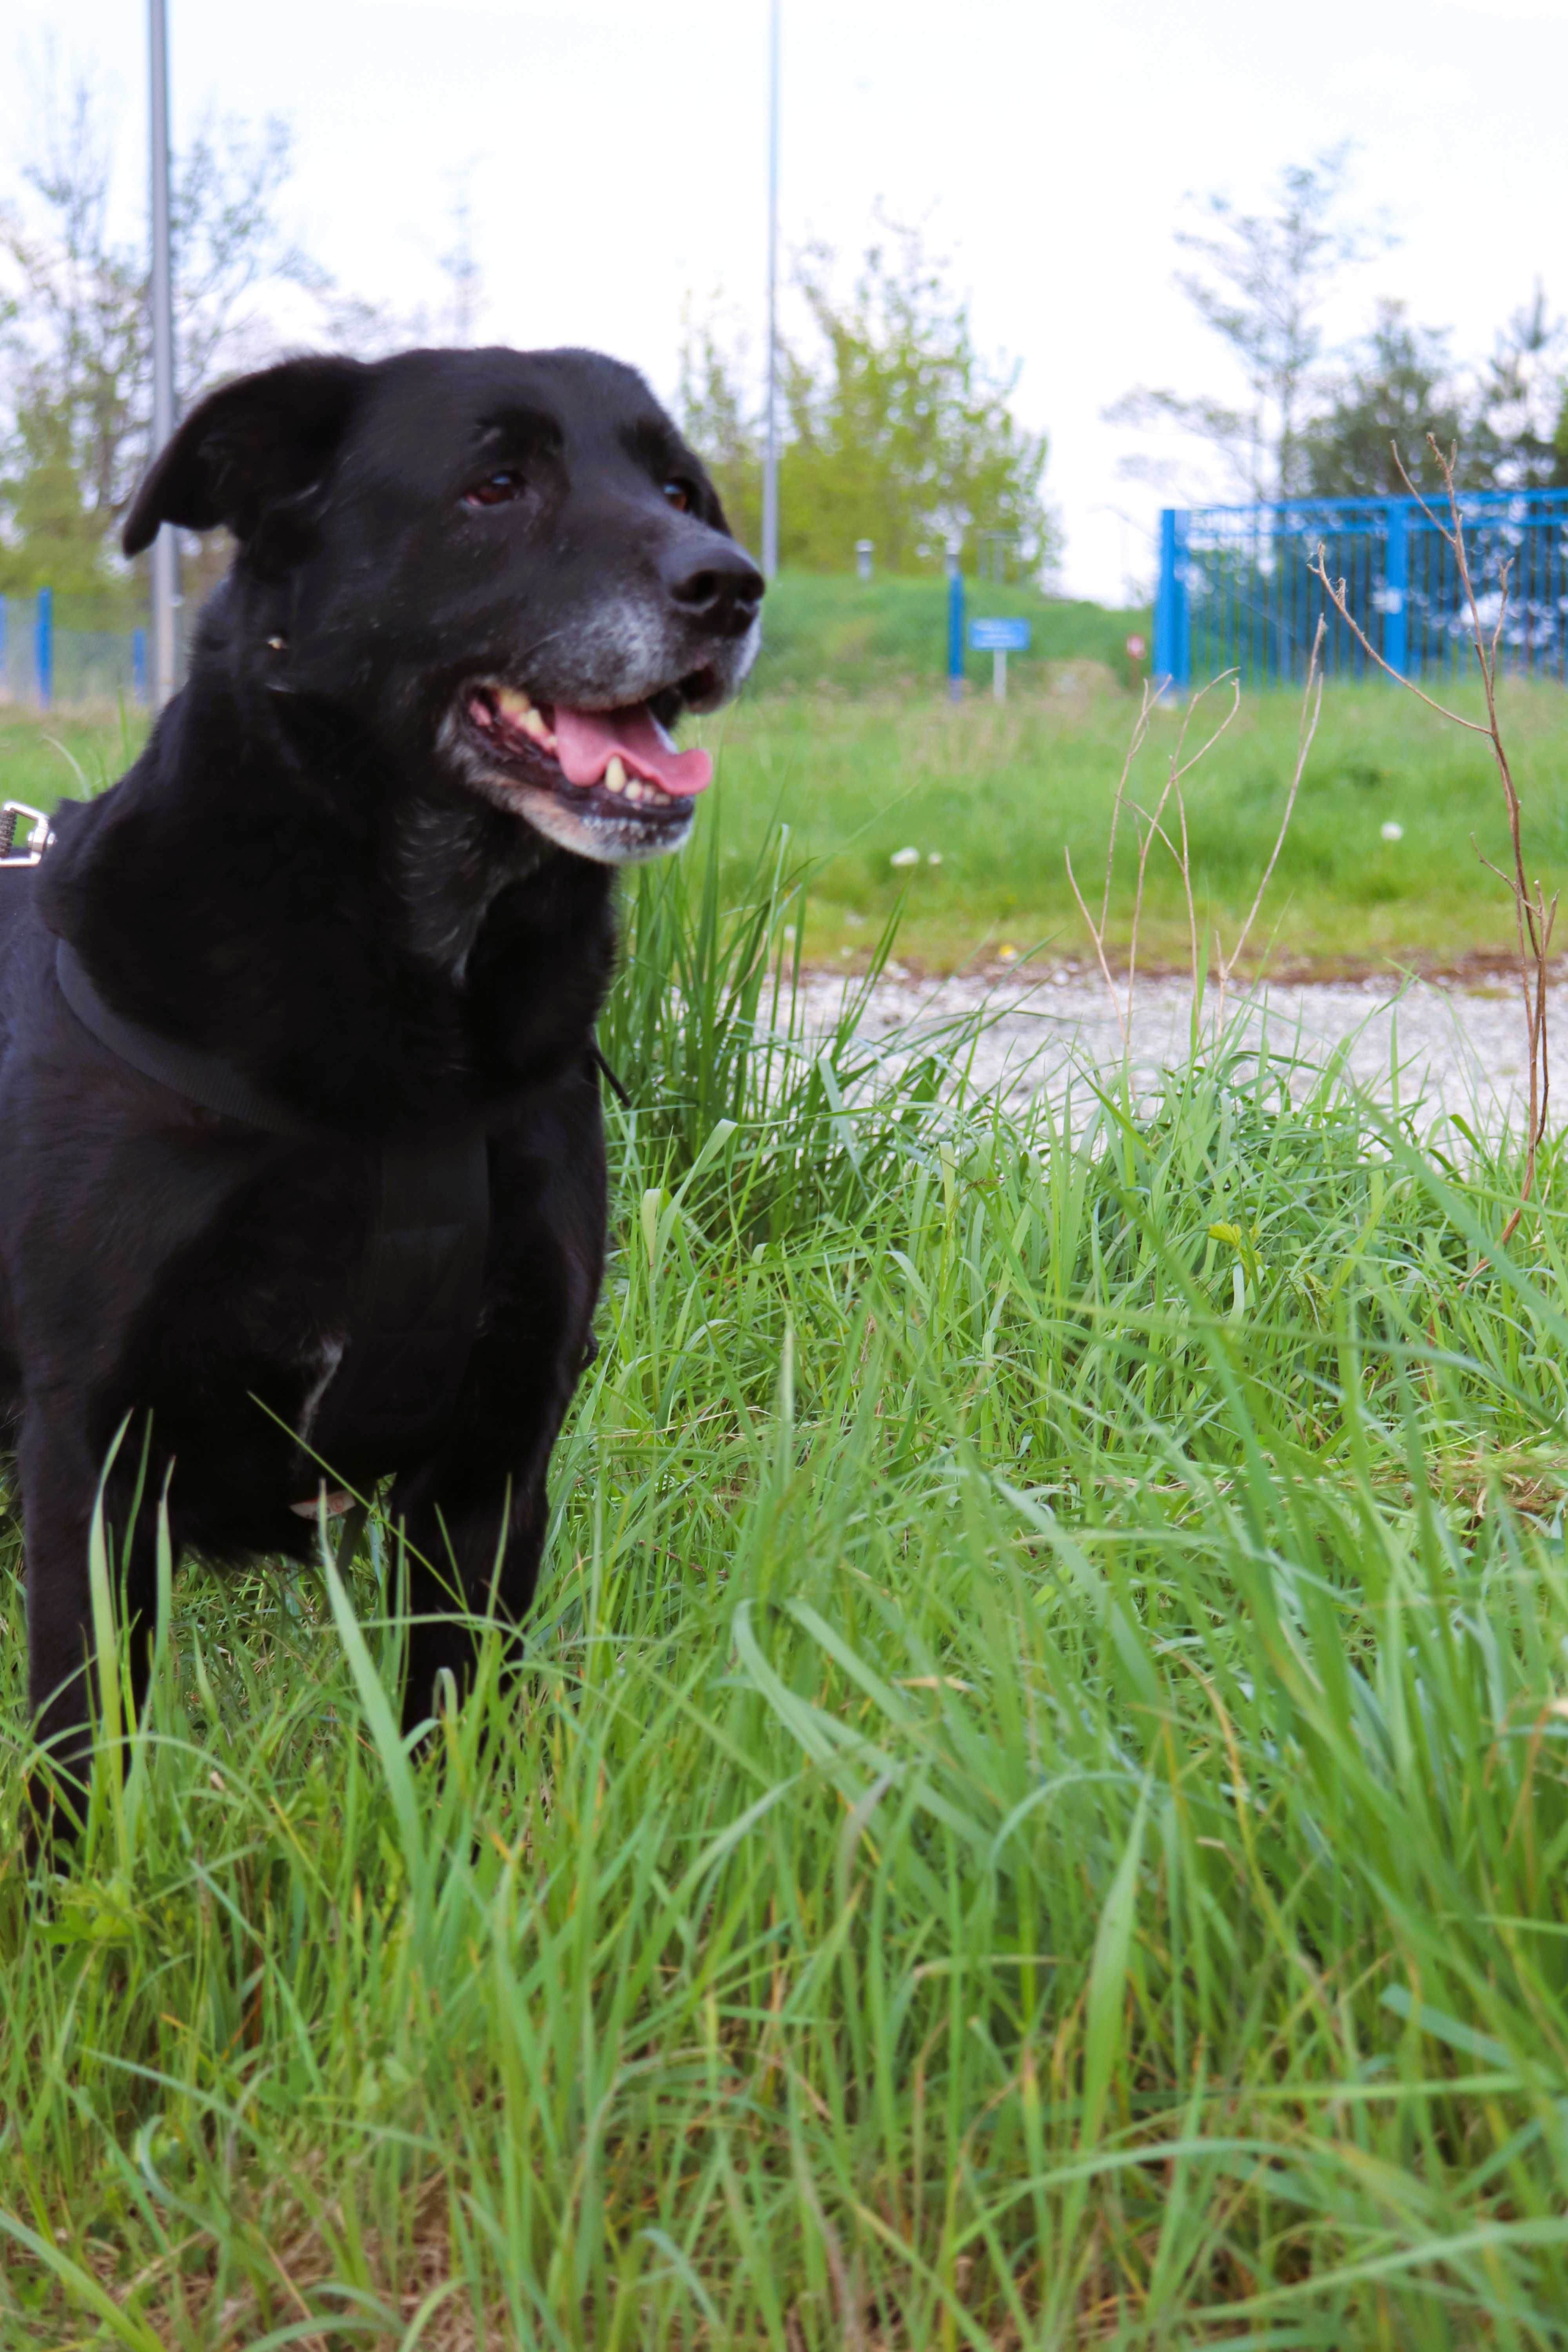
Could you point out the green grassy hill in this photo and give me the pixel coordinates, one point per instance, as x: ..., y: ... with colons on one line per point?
x: 859, y: 634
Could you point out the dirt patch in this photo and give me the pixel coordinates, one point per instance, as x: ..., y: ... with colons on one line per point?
x: 1483, y: 971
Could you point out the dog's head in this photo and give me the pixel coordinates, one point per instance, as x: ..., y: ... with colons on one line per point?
x: 507, y: 564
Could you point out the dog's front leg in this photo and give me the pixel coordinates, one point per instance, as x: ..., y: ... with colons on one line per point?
x: 467, y: 1559
x: 59, y: 1485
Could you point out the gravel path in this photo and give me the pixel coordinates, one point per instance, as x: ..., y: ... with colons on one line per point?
x: 1459, y: 1048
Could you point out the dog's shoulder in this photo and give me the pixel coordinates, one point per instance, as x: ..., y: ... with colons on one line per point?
x: 83, y: 834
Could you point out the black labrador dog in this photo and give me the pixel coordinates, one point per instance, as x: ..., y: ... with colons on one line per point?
x: 301, y: 1157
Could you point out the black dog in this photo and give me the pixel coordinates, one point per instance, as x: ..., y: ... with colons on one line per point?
x: 301, y: 1150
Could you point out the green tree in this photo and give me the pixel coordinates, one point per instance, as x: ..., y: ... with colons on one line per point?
x: 1262, y: 283
x: 1510, y: 425
x: 56, y: 538
x: 725, y: 433
x: 1400, y: 387
x: 75, y: 342
x: 895, y: 428
x: 1518, y: 434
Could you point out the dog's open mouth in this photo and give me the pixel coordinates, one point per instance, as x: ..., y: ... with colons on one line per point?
x: 613, y: 771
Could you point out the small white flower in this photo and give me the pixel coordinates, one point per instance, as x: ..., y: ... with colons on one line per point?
x: 1394, y: 830
x: 934, y: 857
x: 905, y: 858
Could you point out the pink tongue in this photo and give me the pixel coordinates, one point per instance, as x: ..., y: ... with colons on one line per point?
x: 587, y: 741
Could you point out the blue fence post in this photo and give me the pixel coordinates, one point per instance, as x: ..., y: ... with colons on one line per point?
x: 1396, y: 589
x: 1173, y: 619
x: 139, y: 665
x: 44, y: 647
x: 1163, y: 650
x: 955, y: 627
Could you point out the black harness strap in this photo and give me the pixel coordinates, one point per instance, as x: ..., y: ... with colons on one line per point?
x: 205, y: 1079
x: 416, y: 1306
x: 622, y: 1096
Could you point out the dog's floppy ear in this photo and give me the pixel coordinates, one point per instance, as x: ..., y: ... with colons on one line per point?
x: 259, y: 441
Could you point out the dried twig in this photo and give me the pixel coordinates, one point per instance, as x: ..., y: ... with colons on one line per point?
x: 1311, y: 705
x: 1180, y: 763
x: 1096, y: 933
x: 1533, y: 916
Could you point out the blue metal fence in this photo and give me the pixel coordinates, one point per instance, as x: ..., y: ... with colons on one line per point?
x: 42, y: 663
x: 1235, y: 591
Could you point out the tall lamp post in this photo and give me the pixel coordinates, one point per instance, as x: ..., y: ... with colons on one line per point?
x: 167, y: 546
x: 771, y: 448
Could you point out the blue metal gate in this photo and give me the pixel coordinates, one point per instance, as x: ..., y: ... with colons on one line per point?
x: 1235, y: 591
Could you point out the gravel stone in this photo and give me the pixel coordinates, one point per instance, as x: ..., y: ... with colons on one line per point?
x: 1452, y: 1048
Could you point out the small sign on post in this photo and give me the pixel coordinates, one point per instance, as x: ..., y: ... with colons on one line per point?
x: 999, y: 638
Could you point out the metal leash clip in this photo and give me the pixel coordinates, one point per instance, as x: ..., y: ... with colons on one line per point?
x: 38, y: 838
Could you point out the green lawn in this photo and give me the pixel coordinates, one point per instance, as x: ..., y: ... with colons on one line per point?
x: 998, y: 794
x: 1036, y: 1815
x: 58, y: 756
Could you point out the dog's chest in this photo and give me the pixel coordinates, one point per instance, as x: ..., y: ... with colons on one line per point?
x: 450, y: 866
x: 329, y: 1298
x: 415, y: 1296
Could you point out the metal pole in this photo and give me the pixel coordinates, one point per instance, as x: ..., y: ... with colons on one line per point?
x: 43, y: 647
x: 955, y: 621
x: 1164, y: 605
x: 167, y: 546
x: 1397, y: 586
x: 771, y: 451
x: 1181, y: 605
x: 1173, y: 614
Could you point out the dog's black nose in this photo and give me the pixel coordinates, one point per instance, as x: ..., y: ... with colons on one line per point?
x: 720, y: 585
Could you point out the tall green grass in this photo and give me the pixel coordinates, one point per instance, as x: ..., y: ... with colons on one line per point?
x: 1036, y: 1815
x: 63, y: 754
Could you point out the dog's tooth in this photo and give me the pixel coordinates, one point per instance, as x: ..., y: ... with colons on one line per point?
x: 516, y: 704
x: 615, y: 775
x: 532, y: 724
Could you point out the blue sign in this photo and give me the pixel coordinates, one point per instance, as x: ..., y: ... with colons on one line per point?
x: 999, y: 636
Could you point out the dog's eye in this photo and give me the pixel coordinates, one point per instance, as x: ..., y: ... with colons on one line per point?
x: 681, y: 496
x: 495, y: 490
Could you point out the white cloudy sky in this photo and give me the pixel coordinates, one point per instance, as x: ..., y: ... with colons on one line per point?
x: 613, y: 156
